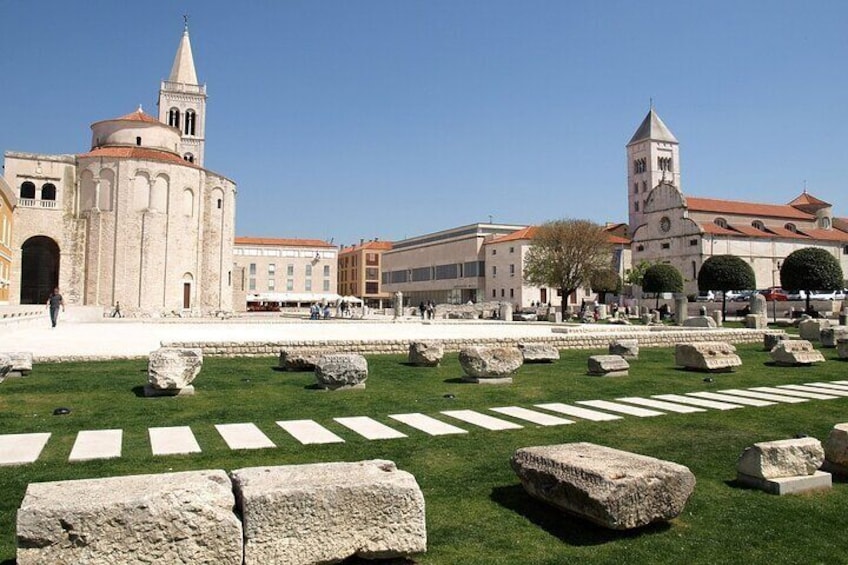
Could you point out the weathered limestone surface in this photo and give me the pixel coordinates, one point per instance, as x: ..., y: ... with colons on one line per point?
x: 831, y: 334
x: 5, y: 366
x: 791, y: 352
x: 341, y: 371
x: 426, y: 353
x: 299, y: 359
x: 327, y: 512
x: 711, y: 356
x: 757, y: 304
x: 842, y: 348
x: 781, y: 458
x: 538, y: 353
x: 613, y: 488
x: 836, y: 445
x: 608, y: 366
x: 21, y: 363
x: 490, y: 362
x: 772, y: 339
x: 168, y: 518
x: 699, y: 322
x: 756, y: 321
x: 171, y: 368
x: 810, y: 329
x: 627, y: 348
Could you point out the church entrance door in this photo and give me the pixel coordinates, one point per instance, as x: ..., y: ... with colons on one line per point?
x: 39, y: 269
x: 186, y: 295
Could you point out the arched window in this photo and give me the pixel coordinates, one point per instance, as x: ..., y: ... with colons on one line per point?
x: 174, y: 117
x: 189, y: 157
x: 48, y: 191
x: 758, y: 225
x: 791, y: 227
x: 28, y: 190
x: 825, y: 223
x: 720, y: 222
x: 138, y: 141
x: 190, y: 119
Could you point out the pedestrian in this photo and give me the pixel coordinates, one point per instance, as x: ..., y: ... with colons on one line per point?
x: 116, y: 313
x: 422, y: 309
x: 53, y: 304
x: 431, y: 309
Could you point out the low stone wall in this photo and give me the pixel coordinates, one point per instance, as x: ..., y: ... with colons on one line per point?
x: 14, y: 317
x: 658, y: 337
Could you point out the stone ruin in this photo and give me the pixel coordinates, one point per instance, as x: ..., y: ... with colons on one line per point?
x: 299, y: 359
x: 627, y: 348
x: 783, y: 466
x: 795, y: 352
x: 425, y: 353
x: 538, y: 353
x: 341, y: 371
x: 490, y: 365
x: 608, y: 366
x: 708, y: 356
x: 171, y: 370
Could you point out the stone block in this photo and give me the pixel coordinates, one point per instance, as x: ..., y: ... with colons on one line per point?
x: 830, y: 335
x: 716, y: 314
x: 699, y: 322
x: 21, y: 363
x: 150, y: 391
x: 836, y: 445
x: 791, y: 352
x: 819, y: 480
x: 172, y: 368
x: 810, y: 329
x: 425, y: 353
x: 609, y: 487
x: 781, y: 458
x: 5, y: 366
x: 757, y: 304
x: 772, y: 339
x: 168, y: 518
x: 608, y: 366
x: 538, y: 353
x: 756, y: 321
x: 627, y: 348
x: 328, y: 512
x: 711, y: 356
x: 341, y: 371
x: 299, y: 359
x: 842, y: 348
x: 490, y: 362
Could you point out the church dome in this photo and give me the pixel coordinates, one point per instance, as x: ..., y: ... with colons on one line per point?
x: 135, y: 129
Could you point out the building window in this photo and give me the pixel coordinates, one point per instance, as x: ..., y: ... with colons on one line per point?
x: 272, y: 268
x: 251, y: 284
x: 48, y: 191
x: 326, y: 270
x: 494, y: 251
x: 326, y: 286
x: 289, y: 270
x: 512, y: 249
x: 309, y: 270
x: 694, y: 270
x: 845, y: 249
x: 494, y: 271
x: 308, y: 285
x: 720, y: 222
x: 636, y: 206
x: 174, y: 118
x: 188, y: 157
x: 220, y: 203
x: 644, y: 186
x: 512, y: 270
x: 666, y: 245
x: 271, y: 285
x: 502, y: 293
x: 664, y: 164
x: 289, y: 284
x: 252, y: 269
x: 825, y: 223
x: 635, y: 188
x: 138, y: 141
x: 28, y: 190
x: 693, y: 242
x: 791, y: 227
x: 190, y: 119
x: 758, y: 225
x: 640, y: 248
x: 512, y: 293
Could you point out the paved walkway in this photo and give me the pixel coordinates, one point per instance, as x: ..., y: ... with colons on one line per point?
x: 18, y: 449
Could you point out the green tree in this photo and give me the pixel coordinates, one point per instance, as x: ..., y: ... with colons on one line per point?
x: 662, y: 277
x: 564, y: 253
x: 726, y: 272
x: 811, y: 268
x: 603, y: 281
x: 637, y: 272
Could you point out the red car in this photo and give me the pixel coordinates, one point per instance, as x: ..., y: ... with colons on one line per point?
x: 775, y: 293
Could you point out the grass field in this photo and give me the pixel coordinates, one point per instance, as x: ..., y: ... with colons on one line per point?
x: 476, y: 509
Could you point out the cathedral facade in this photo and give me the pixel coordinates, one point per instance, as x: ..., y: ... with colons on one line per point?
x: 136, y: 220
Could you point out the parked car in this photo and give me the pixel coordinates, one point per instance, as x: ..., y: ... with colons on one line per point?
x: 827, y: 295
x: 775, y: 293
x: 525, y: 315
x: 705, y: 296
x: 743, y: 296
x: 796, y: 294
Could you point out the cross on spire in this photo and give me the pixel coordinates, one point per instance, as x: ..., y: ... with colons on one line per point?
x: 185, y: 20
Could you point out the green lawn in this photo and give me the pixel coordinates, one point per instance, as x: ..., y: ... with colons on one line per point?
x: 476, y: 509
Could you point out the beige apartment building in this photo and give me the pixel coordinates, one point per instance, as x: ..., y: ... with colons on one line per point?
x: 7, y: 207
x: 359, y: 272
x: 278, y: 272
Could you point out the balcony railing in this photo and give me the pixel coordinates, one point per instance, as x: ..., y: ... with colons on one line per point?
x: 182, y: 87
x: 35, y: 203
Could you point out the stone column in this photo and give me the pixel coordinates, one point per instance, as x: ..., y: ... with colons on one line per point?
x: 505, y: 311
x: 681, y: 307
x: 717, y: 317
x: 398, y: 304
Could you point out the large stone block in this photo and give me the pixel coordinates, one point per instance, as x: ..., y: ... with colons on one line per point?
x: 168, y: 518
x: 781, y: 458
x: 699, y: 322
x: 712, y: 356
x: 627, y: 348
x: 328, y: 512
x: 810, y: 329
x: 836, y: 445
x: 613, y: 488
x: 299, y: 359
x: 756, y: 321
x: 5, y: 366
x: 757, y: 304
x: 481, y: 363
x: 772, y: 339
x: 538, y: 353
x: 173, y: 368
x: 842, y: 348
x: 341, y: 371
x: 832, y: 334
x: 426, y: 353
x: 790, y: 352
x: 21, y: 363
x: 608, y: 366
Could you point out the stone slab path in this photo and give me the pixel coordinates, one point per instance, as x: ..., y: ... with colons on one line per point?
x: 172, y: 440
x: 830, y: 386
x: 786, y: 392
x: 763, y: 396
x: 97, y: 444
x: 661, y: 405
x: 19, y: 449
x: 309, y: 432
x: 577, y: 412
x: 819, y: 390
x: 369, y: 428
x: 482, y: 420
x: 621, y: 408
x: 531, y: 416
x: 730, y: 398
x: 427, y: 424
x: 701, y: 402
x: 244, y: 436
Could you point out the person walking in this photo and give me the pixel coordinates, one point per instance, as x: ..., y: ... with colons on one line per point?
x: 53, y: 304
x: 116, y: 313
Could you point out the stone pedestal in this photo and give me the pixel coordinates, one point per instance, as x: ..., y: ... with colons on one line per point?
x: 717, y: 318
x: 810, y: 329
x: 756, y: 321
x: 819, y: 480
x: 602, y: 311
x: 505, y: 311
x: 681, y: 309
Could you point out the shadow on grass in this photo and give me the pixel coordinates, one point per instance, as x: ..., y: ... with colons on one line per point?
x: 361, y: 561
x: 136, y: 390
x: 455, y: 380
x: 564, y: 526
x: 9, y: 562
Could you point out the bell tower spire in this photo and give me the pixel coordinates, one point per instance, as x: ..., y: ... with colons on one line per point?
x: 182, y: 101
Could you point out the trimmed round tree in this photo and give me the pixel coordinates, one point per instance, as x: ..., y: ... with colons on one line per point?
x: 603, y: 281
x: 811, y: 268
x: 662, y: 277
x: 726, y: 272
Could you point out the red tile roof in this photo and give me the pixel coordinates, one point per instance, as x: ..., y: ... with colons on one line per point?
x: 750, y: 231
x: 806, y: 199
x: 145, y: 153
x: 782, y: 232
x: 829, y: 235
x: 139, y: 116
x: 282, y: 242
x: 745, y: 208
x: 714, y: 229
x: 524, y: 233
x: 618, y: 240
x: 375, y: 245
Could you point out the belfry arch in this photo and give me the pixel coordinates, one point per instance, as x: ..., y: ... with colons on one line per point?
x: 39, y: 269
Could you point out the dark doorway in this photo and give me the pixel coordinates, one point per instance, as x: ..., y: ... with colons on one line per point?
x: 543, y: 295
x: 39, y: 269
x: 186, y: 295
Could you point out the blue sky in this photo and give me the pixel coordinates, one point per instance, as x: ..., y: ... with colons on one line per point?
x: 389, y: 119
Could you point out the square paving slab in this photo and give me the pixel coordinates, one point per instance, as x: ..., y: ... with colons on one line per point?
x: 578, y: 412
x: 621, y: 408
x: 244, y: 436
x: 309, y: 432
x: 763, y: 395
x: 369, y: 428
x: 661, y: 405
x: 730, y: 398
x: 531, y: 416
x: 97, y: 444
x: 172, y: 440
x: 482, y: 420
x: 702, y: 402
x: 427, y: 424
x: 18, y: 449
